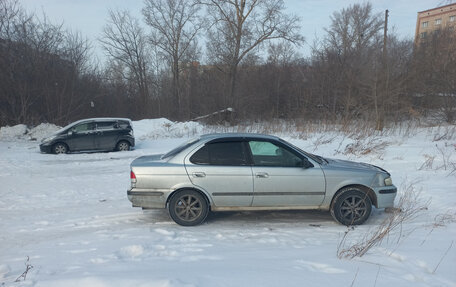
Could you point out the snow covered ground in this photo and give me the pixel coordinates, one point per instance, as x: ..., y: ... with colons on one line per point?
x: 68, y: 218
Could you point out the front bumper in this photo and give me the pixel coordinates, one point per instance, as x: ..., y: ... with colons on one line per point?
x: 385, y: 196
x: 45, y: 148
x: 146, y: 198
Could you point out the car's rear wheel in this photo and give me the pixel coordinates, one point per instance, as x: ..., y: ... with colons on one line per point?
x: 123, y: 146
x: 188, y: 207
x: 351, y: 206
x: 60, y: 148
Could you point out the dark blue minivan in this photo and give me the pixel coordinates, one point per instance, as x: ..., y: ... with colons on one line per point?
x: 96, y: 134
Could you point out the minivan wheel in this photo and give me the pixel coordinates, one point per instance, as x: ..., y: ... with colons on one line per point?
x: 60, y: 148
x: 188, y: 208
x: 123, y: 146
x: 351, y: 207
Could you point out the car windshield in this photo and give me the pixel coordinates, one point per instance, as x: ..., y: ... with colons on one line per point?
x: 315, y: 157
x: 180, y: 148
x: 66, y: 128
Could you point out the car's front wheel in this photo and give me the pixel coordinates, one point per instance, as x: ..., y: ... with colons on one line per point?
x: 188, y: 207
x: 351, y: 206
x: 123, y: 146
x: 60, y: 148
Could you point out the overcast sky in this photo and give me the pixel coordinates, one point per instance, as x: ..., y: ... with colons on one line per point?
x: 89, y: 16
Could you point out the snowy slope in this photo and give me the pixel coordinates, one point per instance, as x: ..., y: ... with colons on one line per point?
x: 70, y: 216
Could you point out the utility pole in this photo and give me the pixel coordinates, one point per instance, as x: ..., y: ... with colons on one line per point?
x: 381, y: 117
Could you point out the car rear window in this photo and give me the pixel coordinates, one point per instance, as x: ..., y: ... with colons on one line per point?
x: 180, y: 148
x: 123, y: 125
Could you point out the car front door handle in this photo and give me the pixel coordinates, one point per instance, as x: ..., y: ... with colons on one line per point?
x: 198, y: 174
x: 262, y: 175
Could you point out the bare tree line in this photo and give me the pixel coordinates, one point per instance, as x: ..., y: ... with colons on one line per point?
x: 187, y: 58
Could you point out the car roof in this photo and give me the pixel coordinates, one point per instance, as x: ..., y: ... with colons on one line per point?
x: 237, y: 135
x: 103, y: 119
x: 99, y: 120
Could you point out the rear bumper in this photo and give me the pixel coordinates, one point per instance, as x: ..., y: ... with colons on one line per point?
x: 146, y: 198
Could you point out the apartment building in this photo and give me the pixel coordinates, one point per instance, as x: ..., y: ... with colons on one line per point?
x: 432, y: 20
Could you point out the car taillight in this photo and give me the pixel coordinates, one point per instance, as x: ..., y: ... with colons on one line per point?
x: 133, y: 179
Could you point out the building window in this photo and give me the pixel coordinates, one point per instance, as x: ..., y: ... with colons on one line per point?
x: 425, y: 24
x: 453, y: 18
x: 438, y: 21
x: 423, y: 35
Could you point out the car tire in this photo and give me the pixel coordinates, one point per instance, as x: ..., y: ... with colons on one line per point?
x: 60, y: 148
x: 351, y: 206
x: 188, y: 207
x: 123, y: 146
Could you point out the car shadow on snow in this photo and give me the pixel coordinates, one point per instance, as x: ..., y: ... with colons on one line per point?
x: 313, y: 218
x: 307, y: 217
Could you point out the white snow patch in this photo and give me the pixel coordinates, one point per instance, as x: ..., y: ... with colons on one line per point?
x: 70, y: 215
x: 320, y: 267
x: 104, y: 282
x: 13, y: 133
x: 4, y: 269
x: 131, y: 251
x: 22, y: 132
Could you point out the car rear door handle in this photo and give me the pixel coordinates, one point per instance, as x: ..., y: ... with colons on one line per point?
x: 262, y: 175
x: 198, y: 174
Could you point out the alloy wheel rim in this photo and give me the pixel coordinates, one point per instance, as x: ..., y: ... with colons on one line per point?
x: 60, y: 149
x: 353, y: 208
x: 123, y: 146
x: 188, y: 208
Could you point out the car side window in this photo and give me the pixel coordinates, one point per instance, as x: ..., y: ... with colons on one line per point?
x: 266, y: 153
x: 102, y: 126
x: 221, y: 153
x: 83, y: 128
x: 122, y: 125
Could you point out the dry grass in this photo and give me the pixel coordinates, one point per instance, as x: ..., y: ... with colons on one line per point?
x: 441, y: 220
x: 365, y: 146
x: 408, y: 208
x: 443, y: 160
x: 28, y: 267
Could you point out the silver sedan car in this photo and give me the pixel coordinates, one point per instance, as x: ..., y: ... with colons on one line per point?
x: 239, y: 172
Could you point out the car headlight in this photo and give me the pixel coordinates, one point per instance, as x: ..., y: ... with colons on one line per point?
x: 382, y: 179
x: 388, y: 181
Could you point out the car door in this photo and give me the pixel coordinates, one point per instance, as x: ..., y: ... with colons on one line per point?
x: 281, y: 177
x: 106, y: 135
x: 222, y: 170
x: 81, y: 137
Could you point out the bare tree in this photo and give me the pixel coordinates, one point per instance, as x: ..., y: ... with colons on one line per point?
x: 239, y: 27
x: 43, y: 69
x: 9, y: 12
x: 124, y: 41
x: 433, y: 77
x: 174, y: 29
x: 351, y: 47
x: 281, y: 56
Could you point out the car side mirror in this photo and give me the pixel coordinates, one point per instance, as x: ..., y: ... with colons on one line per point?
x: 306, y: 163
x: 70, y: 132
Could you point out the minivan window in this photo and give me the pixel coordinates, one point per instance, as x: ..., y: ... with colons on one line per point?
x: 105, y: 126
x: 82, y: 128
